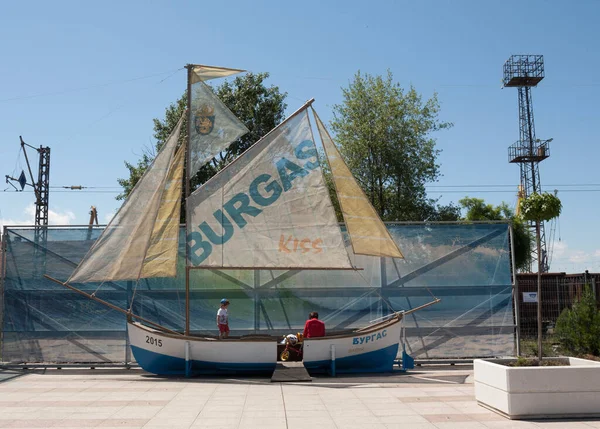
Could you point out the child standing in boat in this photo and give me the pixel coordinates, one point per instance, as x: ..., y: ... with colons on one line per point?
x: 222, y: 319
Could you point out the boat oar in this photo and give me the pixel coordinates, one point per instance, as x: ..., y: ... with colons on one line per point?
x: 420, y: 307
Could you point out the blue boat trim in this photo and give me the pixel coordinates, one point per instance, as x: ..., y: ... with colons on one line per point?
x: 161, y: 364
x: 381, y: 360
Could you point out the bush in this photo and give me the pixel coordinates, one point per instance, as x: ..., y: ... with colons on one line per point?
x: 578, y: 329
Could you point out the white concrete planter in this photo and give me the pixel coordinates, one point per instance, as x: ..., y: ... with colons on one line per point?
x: 539, y: 392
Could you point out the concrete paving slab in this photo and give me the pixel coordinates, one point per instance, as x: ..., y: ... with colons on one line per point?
x: 427, y: 398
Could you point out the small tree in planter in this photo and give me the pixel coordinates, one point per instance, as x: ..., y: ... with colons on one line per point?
x: 578, y: 329
x: 539, y: 208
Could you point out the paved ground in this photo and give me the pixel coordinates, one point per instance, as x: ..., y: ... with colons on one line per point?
x: 426, y: 398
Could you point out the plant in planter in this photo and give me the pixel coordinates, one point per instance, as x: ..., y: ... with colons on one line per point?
x: 578, y: 328
x: 539, y: 208
x: 571, y: 389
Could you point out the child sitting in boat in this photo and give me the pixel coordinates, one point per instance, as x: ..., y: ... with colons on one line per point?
x: 222, y: 319
x: 313, y: 326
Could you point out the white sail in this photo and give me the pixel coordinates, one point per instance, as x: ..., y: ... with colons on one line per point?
x: 269, y: 208
x: 119, y: 253
x: 368, y: 234
x: 202, y: 73
x: 212, y: 126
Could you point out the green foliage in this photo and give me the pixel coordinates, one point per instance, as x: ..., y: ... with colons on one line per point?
x: 529, y: 346
x: 384, y: 134
x: 523, y: 242
x: 523, y: 361
x: 477, y: 210
x: 259, y: 107
x: 540, y: 207
x: 578, y: 329
x: 443, y: 213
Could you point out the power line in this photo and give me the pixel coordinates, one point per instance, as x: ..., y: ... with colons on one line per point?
x: 433, y: 191
x: 427, y: 186
x: 506, y: 186
x: 82, y: 191
x: 463, y: 191
x: 101, y: 85
x: 77, y: 187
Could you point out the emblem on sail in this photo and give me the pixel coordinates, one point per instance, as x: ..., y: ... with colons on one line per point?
x: 204, y: 119
x: 212, y: 128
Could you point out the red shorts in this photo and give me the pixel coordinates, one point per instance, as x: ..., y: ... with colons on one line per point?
x: 223, y: 329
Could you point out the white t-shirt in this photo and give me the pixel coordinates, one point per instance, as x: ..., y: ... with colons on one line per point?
x: 222, y: 316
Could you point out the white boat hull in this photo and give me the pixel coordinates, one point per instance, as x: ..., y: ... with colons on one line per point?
x: 372, y: 349
x: 164, y: 354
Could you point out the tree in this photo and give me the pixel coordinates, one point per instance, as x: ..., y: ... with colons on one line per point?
x: 478, y: 210
x: 447, y: 213
x: 259, y: 107
x: 430, y: 211
x: 539, y: 208
x: 522, y: 245
x: 384, y: 134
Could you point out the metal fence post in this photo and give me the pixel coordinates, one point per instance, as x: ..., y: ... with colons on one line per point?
x: 515, y: 290
x: 382, y: 286
x: 256, y: 301
x: 557, y: 297
x: 2, y: 275
x: 129, y: 304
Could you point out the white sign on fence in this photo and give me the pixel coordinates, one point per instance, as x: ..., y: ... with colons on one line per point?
x: 530, y: 297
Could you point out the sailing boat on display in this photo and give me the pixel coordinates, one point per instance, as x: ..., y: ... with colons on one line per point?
x: 269, y: 209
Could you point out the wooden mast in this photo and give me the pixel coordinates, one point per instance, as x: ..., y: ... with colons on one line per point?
x: 187, y: 193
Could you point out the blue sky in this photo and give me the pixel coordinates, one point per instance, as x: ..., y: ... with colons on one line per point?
x: 87, y: 79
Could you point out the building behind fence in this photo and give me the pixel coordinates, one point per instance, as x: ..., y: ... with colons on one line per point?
x: 559, y: 291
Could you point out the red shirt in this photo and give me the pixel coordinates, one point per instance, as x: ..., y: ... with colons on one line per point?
x: 314, y: 328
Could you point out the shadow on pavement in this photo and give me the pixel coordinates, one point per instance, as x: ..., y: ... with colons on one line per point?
x: 438, y: 374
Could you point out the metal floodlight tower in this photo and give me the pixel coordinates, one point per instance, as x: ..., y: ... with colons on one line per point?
x: 525, y: 72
